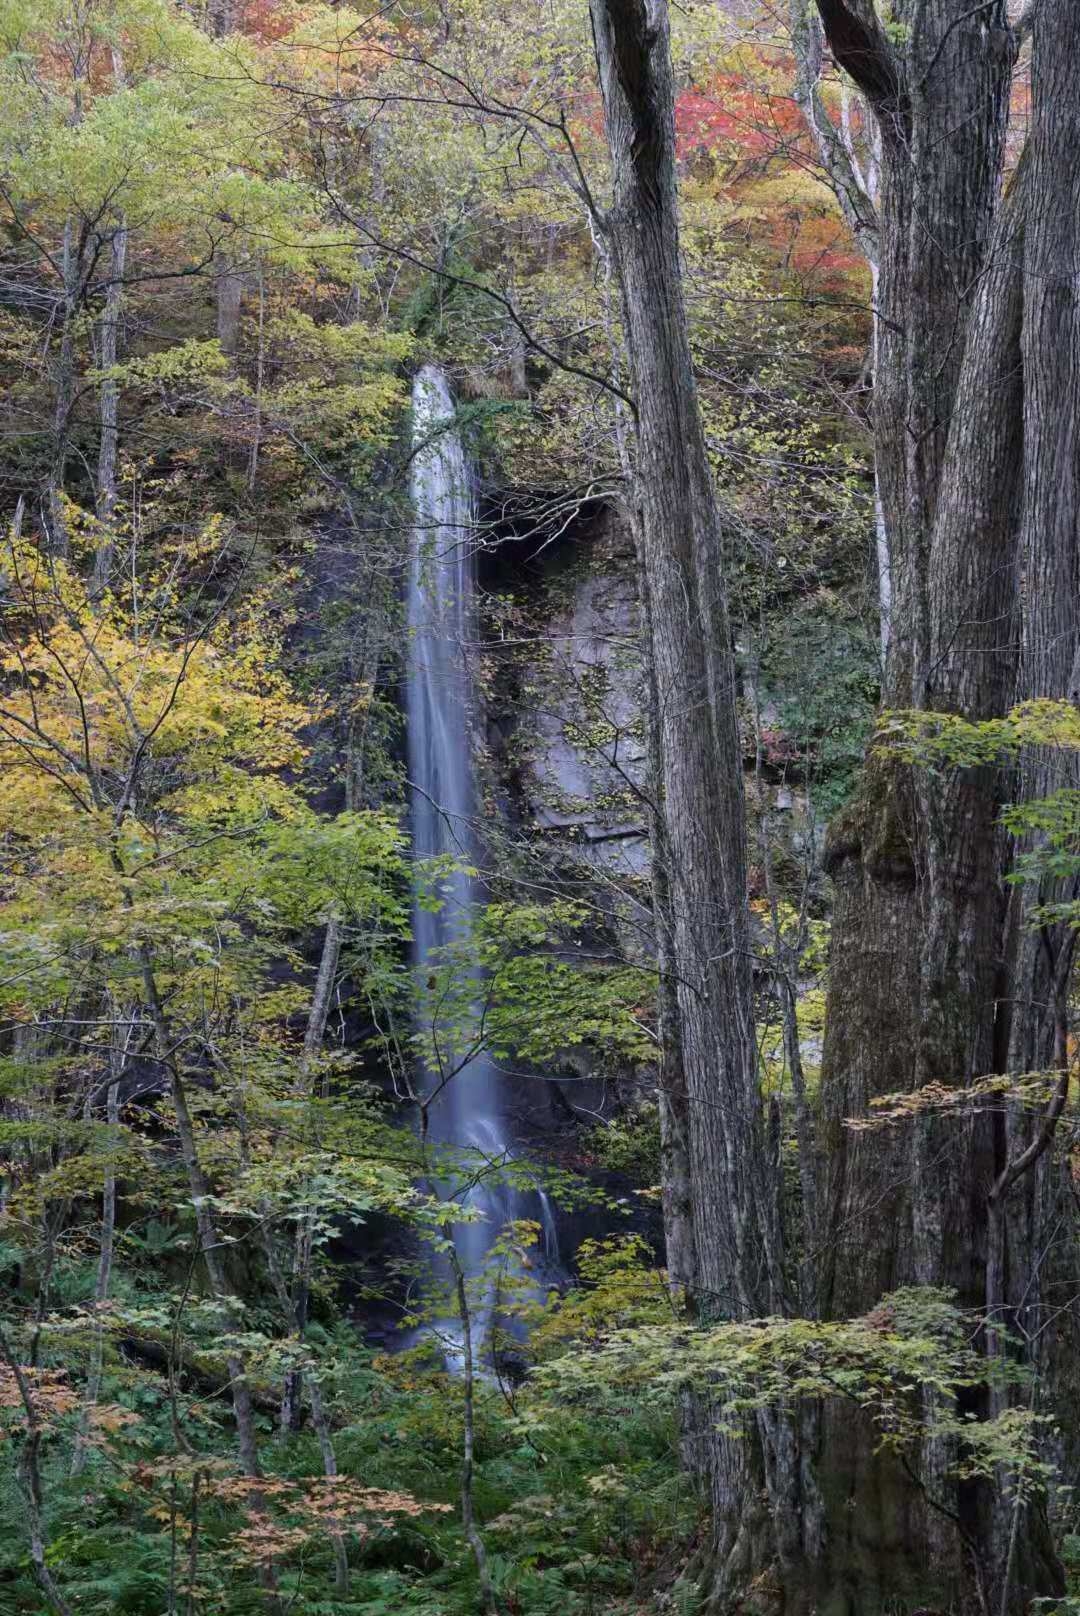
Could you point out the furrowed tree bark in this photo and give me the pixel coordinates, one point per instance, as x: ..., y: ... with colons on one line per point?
x: 1032, y: 1264
x: 934, y: 978
x: 672, y: 1104
x: 738, y: 1259
x: 877, y: 850
x: 700, y: 754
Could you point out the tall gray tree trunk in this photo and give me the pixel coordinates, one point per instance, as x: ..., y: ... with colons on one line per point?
x: 700, y: 751
x: 109, y: 409
x: 228, y: 297
x: 70, y: 296
x: 736, y: 1240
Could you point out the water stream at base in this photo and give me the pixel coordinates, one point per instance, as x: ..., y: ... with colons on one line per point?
x: 440, y: 706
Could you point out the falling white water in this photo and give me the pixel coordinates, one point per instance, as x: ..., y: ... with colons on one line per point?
x: 439, y: 707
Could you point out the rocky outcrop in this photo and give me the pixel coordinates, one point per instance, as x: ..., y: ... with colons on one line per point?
x: 564, y: 705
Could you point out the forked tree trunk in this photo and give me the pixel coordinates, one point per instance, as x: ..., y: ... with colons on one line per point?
x: 931, y: 981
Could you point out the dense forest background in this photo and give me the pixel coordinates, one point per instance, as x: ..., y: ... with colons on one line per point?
x: 571, y: 1112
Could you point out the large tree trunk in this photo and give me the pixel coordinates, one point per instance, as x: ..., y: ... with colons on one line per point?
x: 1032, y: 1261
x: 926, y: 985
x: 934, y: 978
x: 699, y: 750
x: 736, y: 1240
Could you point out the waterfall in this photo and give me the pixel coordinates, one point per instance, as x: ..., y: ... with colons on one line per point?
x: 440, y: 707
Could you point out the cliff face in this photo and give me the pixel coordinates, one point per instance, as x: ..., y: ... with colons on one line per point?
x: 565, y: 725
x: 564, y: 780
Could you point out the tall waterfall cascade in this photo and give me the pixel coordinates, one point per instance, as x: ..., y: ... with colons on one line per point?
x: 466, y: 1112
